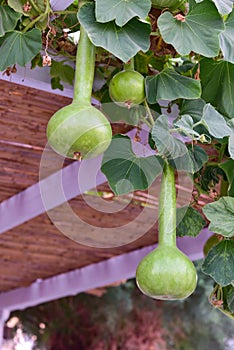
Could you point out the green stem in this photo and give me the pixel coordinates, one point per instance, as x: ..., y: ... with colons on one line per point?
x: 84, y: 74
x: 151, y: 119
x: 129, y: 65
x: 32, y: 3
x: 167, y: 208
x: 37, y: 19
x: 68, y: 12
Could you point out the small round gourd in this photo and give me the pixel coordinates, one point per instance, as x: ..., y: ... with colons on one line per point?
x: 127, y: 88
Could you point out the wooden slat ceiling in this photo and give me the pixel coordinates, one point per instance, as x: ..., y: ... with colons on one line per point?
x: 37, y: 249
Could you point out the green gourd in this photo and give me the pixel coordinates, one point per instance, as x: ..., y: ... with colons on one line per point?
x: 79, y: 130
x: 127, y: 87
x: 166, y: 273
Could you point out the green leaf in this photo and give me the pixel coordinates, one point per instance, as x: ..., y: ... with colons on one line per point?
x: 230, y: 298
x: 18, y: 6
x: 8, y: 19
x: 121, y: 10
x: 189, y: 222
x: 169, y: 85
x: 185, y: 123
x: 219, y: 262
x: 125, y: 171
x: 117, y: 113
x: 231, y: 145
x: 215, y: 122
x: 55, y: 84
x: 226, y: 39
x: 19, y: 48
x: 123, y: 42
x: 167, y: 145
x: 217, y: 86
x: 65, y: 72
x: 199, y: 32
x: 193, y: 107
x: 192, y: 161
x: 224, y: 6
x: 228, y: 167
x: 221, y: 216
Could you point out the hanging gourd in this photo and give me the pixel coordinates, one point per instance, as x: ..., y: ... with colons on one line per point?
x: 79, y: 130
x: 166, y: 273
x: 127, y: 87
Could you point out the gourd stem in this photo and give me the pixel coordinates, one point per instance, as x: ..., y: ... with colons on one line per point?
x: 129, y: 65
x: 84, y: 73
x: 167, y: 208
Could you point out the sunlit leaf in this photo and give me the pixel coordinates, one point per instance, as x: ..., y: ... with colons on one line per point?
x: 125, y: 171
x: 124, y: 42
x: 224, y: 6
x: 226, y: 39
x: 217, y: 85
x: 221, y: 216
x: 219, y: 262
x: 185, y: 124
x: 167, y: 144
x: 215, y: 122
x: 198, y: 32
x: 121, y: 10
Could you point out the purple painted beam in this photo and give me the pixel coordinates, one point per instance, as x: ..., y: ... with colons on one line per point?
x: 92, y: 276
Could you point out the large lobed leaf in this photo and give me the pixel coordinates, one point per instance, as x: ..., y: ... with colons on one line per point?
x: 192, y: 161
x: 226, y: 39
x: 169, y: 85
x: 125, y: 171
x: 215, y: 122
x: 167, y: 144
x: 217, y: 85
x: 219, y: 262
x: 224, y: 6
x: 198, y: 32
x: 124, y: 42
x: 19, y: 47
x: 221, y: 216
x: 121, y: 10
x: 8, y: 19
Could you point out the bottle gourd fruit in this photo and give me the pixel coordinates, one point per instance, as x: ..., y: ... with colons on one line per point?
x: 166, y: 273
x: 79, y: 130
x: 127, y: 88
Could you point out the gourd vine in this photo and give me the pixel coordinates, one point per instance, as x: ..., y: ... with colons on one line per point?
x: 180, y: 91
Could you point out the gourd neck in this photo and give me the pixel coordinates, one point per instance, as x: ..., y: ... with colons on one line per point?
x: 84, y: 72
x: 167, y: 208
x: 130, y: 65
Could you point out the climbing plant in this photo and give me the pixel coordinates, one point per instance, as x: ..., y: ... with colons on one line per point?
x: 179, y: 52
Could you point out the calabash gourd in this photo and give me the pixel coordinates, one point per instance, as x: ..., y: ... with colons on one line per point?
x: 79, y: 130
x: 166, y: 273
x: 127, y: 88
